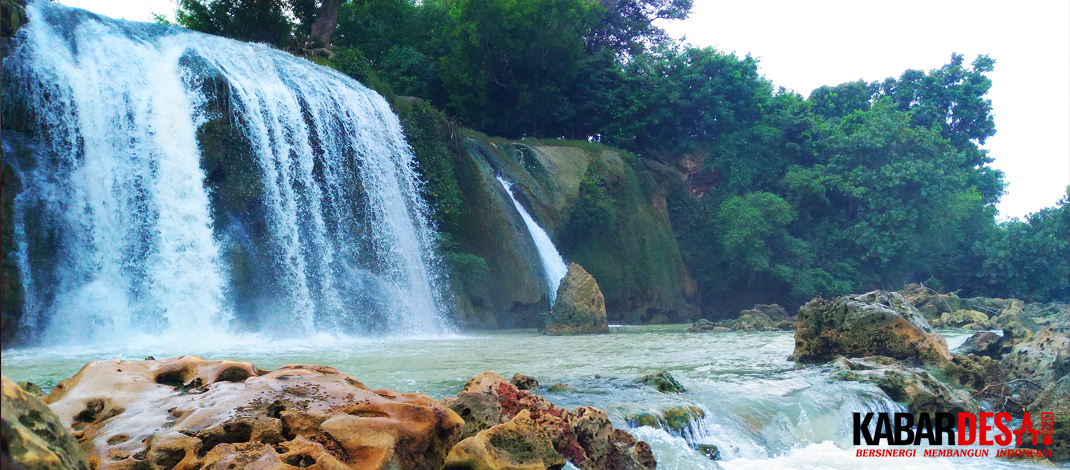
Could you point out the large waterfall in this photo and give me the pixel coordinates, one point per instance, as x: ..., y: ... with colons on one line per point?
x: 552, y: 262
x: 180, y: 184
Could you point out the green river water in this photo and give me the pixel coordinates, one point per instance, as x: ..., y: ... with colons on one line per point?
x: 762, y: 410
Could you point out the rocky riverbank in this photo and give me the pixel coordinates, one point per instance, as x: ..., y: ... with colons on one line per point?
x: 188, y: 412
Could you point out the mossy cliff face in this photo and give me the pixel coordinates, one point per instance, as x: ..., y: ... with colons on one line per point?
x: 12, y: 17
x: 604, y: 211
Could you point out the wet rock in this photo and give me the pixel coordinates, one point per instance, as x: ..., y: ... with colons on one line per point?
x: 973, y: 371
x: 523, y: 382
x: 720, y: 329
x: 663, y: 381
x: 1055, y: 399
x: 967, y: 319
x: 580, y: 307
x: 913, y: 387
x: 701, y: 326
x: 584, y: 436
x: 33, y: 436
x: 192, y: 413
x: 984, y: 343
x: 753, y: 320
x: 1042, y: 358
x: 877, y: 323
x: 659, y: 319
x: 673, y: 419
x: 930, y: 303
x: 518, y: 444
x: 557, y: 388
x: 709, y: 450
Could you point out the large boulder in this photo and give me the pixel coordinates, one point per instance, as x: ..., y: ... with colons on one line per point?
x: 189, y: 412
x: 33, y: 436
x: 579, y: 308
x: 774, y: 311
x: 877, y: 323
x: 663, y: 381
x: 518, y: 444
x: 968, y: 319
x: 584, y: 436
x: 915, y: 388
x: 1055, y: 399
x: 1042, y: 358
x: 753, y: 320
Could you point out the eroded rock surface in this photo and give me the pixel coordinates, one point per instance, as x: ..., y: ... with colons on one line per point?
x: 913, y: 387
x: 584, y: 436
x: 33, y: 436
x: 189, y: 413
x: 877, y: 323
x: 580, y: 307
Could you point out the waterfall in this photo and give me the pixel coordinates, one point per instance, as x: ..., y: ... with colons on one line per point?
x: 178, y: 183
x: 552, y: 263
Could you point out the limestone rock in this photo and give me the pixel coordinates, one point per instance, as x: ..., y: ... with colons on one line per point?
x: 192, y: 413
x: 753, y: 320
x: 33, y: 435
x: 985, y: 343
x: 1042, y: 358
x: 1055, y: 399
x: 915, y: 388
x: 774, y: 311
x: 701, y: 326
x: 580, y: 307
x: 518, y: 444
x: 673, y: 419
x: 968, y: 319
x: 523, y: 382
x: 877, y: 323
x: 929, y: 302
x: 663, y: 381
x: 584, y: 436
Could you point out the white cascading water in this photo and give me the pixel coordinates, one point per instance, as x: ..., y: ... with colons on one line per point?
x: 552, y: 262
x: 114, y: 224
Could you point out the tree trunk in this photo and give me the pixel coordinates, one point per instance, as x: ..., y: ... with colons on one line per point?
x: 326, y: 20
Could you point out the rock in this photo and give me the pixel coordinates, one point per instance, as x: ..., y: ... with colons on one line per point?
x: 1055, y: 399
x: 523, y: 382
x: 720, y: 329
x: 579, y: 308
x: 968, y: 319
x: 673, y: 419
x: 753, y: 320
x: 518, y: 444
x: 659, y: 319
x: 984, y: 343
x: 701, y: 326
x: 33, y: 435
x: 877, y: 323
x: 915, y: 388
x: 973, y: 371
x: 557, y: 388
x: 930, y: 303
x: 663, y: 381
x: 774, y: 311
x: 31, y: 388
x: 1042, y: 358
x: 584, y: 436
x: 709, y: 450
x: 192, y: 413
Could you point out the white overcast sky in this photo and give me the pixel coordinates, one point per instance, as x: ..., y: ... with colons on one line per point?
x: 804, y: 44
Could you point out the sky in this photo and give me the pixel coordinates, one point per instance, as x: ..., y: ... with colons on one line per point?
x: 804, y: 44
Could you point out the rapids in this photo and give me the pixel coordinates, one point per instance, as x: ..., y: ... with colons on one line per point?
x: 762, y: 410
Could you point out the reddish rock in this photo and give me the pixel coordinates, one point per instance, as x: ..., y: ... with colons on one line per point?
x: 584, y: 436
x: 190, y: 413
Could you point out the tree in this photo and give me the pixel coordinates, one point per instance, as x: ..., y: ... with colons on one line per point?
x: 627, y: 27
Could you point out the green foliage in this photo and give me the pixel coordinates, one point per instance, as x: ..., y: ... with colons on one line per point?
x: 594, y: 208
x: 263, y: 21
x: 468, y: 272
x: 429, y: 135
x: 749, y: 224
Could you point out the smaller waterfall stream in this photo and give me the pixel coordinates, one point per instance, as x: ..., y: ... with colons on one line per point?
x: 552, y: 262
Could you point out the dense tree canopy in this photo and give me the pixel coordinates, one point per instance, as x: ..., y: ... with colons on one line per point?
x: 777, y: 196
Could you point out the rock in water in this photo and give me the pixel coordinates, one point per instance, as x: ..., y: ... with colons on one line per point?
x: 913, y: 387
x: 580, y: 307
x: 518, y: 444
x: 983, y: 343
x: 701, y: 326
x: 1042, y: 358
x: 192, y: 413
x: 877, y: 323
x: 523, y: 382
x: 584, y: 436
x: 34, y: 435
x: 663, y: 381
x: 1055, y: 399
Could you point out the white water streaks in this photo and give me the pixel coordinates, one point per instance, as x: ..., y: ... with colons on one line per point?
x: 115, y: 228
x: 552, y: 262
